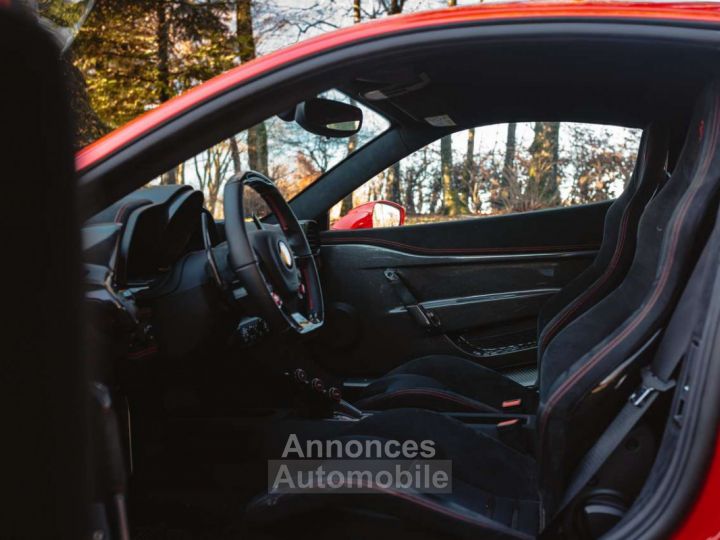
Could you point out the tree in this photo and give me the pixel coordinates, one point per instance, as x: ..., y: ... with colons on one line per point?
x: 256, y: 135
x: 600, y: 164
x: 451, y: 200
x: 347, y: 202
x: 416, y: 171
x: 487, y: 172
x: 210, y: 170
x: 531, y: 180
x: 288, y: 137
x: 394, y: 6
x: 88, y: 125
x: 392, y: 187
x: 543, y: 188
x: 500, y: 193
x: 411, y: 181
x: 135, y: 55
x: 468, y: 171
x: 163, y: 51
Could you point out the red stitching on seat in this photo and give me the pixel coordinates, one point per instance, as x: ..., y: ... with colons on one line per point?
x: 450, y: 396
x: 688, y: 199
x: 573, y: 306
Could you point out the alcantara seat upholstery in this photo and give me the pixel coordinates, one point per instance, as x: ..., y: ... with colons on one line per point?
x: 451, y: 383
x: 501, y: 493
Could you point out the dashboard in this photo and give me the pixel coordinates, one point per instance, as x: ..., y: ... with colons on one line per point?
x: 141, y: 236
x: 159, y: 260
x: 146, y: 272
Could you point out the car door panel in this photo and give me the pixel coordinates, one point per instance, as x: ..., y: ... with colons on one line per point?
x: 482, y: 282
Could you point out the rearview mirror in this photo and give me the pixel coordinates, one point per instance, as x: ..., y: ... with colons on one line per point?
x: 372, y: 215
x: 328, y: 118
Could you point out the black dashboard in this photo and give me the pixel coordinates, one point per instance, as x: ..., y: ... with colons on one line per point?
x: 146, y: 272
x: 159, y: 261
x: 141, y: 236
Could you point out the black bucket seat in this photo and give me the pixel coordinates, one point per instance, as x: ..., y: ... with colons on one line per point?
x: 451, y: 383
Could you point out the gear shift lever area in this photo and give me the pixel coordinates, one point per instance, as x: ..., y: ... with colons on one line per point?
x: 321, y: 399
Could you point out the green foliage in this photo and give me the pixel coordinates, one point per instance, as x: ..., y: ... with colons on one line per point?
x: 120, y: 52
x: 61, y: 13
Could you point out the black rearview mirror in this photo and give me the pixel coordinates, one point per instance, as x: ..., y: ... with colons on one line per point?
x: 329, y: 118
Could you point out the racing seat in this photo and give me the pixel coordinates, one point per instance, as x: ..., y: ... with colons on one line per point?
x: 452, y: 383
x: 591, y: 370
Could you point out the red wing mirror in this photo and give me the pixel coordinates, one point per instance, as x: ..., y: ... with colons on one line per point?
x: 372, y: 215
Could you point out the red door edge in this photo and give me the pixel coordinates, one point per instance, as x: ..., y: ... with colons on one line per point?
x: 703, y: 519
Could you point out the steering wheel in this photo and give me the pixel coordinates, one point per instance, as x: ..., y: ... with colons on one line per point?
x: 273, y: 263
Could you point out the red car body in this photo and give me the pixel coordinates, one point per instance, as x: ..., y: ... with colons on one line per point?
x: 703, y: 519
x: 362, y: 217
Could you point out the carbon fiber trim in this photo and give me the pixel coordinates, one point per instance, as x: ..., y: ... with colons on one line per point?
x: 525, y: 375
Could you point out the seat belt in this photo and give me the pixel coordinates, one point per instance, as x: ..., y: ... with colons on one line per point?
x: 425, y: 318
x: 656, y: 378
x: 652, y: 385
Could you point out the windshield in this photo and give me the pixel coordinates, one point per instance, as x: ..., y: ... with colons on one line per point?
x: 291, y: 156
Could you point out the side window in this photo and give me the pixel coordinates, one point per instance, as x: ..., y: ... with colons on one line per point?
x: 500, y: 169
x: 292, y: 157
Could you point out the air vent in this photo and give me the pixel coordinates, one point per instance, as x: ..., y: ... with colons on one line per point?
x: 312, y: 232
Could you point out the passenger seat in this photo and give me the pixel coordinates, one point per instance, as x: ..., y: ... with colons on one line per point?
x: 452, y: 383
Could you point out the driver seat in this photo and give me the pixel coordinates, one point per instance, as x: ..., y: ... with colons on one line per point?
x: 451, y: 383
x: 498, y: 492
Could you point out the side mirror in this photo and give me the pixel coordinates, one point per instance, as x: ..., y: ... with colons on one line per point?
x: 372, y: 215
x: 328, y: 118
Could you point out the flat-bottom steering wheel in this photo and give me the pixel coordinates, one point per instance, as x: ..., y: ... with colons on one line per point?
x: 275, y: 263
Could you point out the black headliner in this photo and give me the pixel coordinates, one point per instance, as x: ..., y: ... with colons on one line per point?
x: 624, y: 83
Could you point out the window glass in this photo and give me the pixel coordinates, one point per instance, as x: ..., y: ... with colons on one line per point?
x: 505, y: 168
x: 291, y: 156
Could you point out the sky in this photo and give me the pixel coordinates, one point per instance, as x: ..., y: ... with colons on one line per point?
x: 319, y: 16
